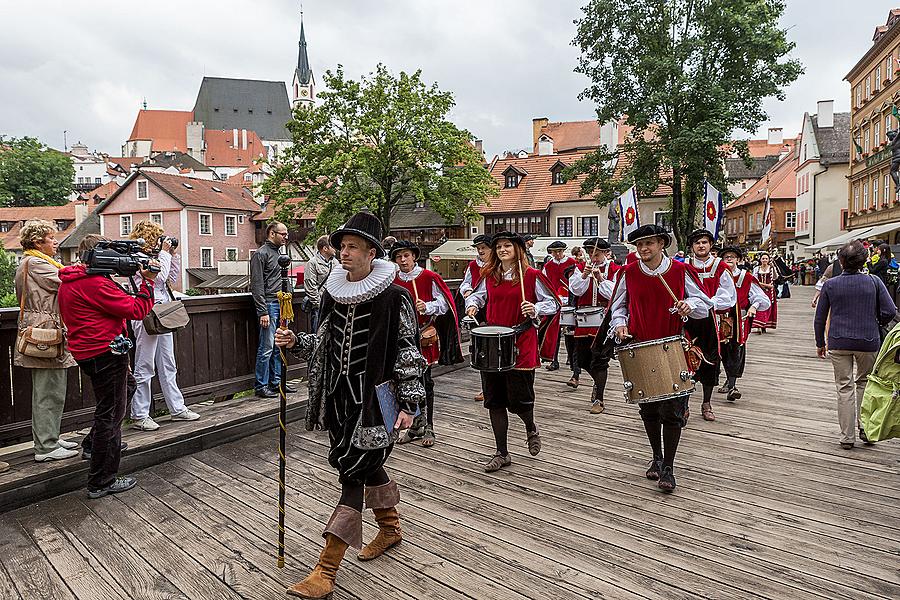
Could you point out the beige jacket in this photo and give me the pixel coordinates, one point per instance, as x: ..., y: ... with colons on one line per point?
x: 41, y: 306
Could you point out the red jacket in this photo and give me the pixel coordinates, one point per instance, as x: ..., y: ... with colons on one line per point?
x: 94, y: 309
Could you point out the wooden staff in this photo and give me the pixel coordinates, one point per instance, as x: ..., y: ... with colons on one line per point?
x: 286, y: 310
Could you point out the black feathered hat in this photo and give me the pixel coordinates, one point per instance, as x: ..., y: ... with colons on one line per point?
x: 736, y: 250
x: 363, y: 224
x: 650, y: 231
x: 528, y: 237
x: 700, y: 233
x: 401, y: 245
x: 508, y: 235
x: 481, y: 239
x: 557, y: 245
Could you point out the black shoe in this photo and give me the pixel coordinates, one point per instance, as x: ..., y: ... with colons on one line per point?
x: 288, y: 389
x: 86, y: 454
x: 655, y: 468
x: 666, y: 480
x: 266, y: 393
x: 554, y: 366
x: 119, y: 485
x: 864, y: 438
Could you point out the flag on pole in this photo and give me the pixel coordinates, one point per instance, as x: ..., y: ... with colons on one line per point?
x: 712, y: 209
x: 628, y: 212
x: 767, y: 221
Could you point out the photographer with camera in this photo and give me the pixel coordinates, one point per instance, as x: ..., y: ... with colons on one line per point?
x: 94, y: 309
x: 152, y: 351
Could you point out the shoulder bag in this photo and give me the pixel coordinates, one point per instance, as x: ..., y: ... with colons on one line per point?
x: 167, y: 317
x: 37, y: 342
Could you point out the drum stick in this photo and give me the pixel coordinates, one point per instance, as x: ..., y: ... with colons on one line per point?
x: 415, y: 290
x: 671, y: 293
x: 521, y: 281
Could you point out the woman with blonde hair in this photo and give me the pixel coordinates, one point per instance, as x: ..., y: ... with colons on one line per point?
x: 155, y: 354
x: 516, y: 295
x: 37, y: 284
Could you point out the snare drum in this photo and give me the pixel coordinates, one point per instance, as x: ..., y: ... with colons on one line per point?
x: 655, y: 370
x: 590, y: 316
x: 493, y: 348
x: 567, y: 316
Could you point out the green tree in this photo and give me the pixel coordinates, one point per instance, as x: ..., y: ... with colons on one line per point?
x: 7, y: 279
x: 32, y: 174
x: 684, y: 74
x: 375, y: 143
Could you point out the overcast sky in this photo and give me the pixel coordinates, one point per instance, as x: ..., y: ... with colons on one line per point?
x: 85, y: 66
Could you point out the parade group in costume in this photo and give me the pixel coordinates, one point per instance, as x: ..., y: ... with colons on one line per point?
x: 555, y: 270
x: 767, y: 276
x: 719, y: 286
x: 515, y: 295
x: 438, y: 326
x: 472, y: 277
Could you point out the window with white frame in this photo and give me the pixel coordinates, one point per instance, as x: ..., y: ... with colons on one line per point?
x: 512, y: 180
x: 206, y: 257
x: 856, y: 198
x: 887, y: 67
x: 887, y: 125
x: 858, y: 96
x: 868, y: 87
x: 878, y: 78
x: 231, y: 254
x: 230, y: 224
x: 875, y: 192
x: 124, y: 225
x: 240, y: 219
x: 142, y: 190
x: 97, y: 180
x: 790, y: 220
x: 865, y: 203
x: 206, y: 224
x: 590, y: 226
x: 866, y: 140
x: 887, y: 189
x: 564, y: 226
x: 156, y: 218
x: 877, y: 134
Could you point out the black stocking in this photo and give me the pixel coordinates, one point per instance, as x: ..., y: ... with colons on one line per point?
x: 528, y: 419
x: 707, y: 392
x: 429, y: 410
x: 599, y: 376
x: 379, y: 477
x: 671, y: 435
x: 654, y: 433
x: 352, y: 496
x: 500, y: 425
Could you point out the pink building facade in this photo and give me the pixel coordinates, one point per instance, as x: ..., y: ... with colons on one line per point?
x: 212, y: 220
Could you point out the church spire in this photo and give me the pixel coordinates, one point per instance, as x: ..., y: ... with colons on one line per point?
x: 304, y: 72
x: 304, y: 81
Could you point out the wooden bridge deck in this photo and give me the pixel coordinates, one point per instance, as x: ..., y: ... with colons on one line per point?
x: 768, y: 506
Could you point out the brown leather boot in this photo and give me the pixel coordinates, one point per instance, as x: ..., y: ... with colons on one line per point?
x: 383, y: 500
x: 320, y: 583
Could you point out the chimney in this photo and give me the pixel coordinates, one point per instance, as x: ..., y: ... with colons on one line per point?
x: 536, y: 125
x: 195, y: 140
x: 243, y: 139
x: 479, y: 146
x: 776, y: 138
x: 545, y: 145
x: 81, y: 212
x: 825, y: 113
x: 234, y: 143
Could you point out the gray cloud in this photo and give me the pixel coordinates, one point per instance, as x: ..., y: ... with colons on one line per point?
x: 86, y: 66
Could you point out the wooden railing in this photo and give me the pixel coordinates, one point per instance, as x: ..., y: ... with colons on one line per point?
x: 215, y: 354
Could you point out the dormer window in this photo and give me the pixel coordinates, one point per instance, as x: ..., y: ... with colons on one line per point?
x: 512, y: 176
x: 556, y: 173
x: 512, y: 180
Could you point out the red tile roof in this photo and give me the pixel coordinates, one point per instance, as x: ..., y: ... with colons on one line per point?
x: 762, y: 148
x: 578, y: 135
x: 781, y: 181
x: 99, y: 194
x: 18, y: 216
x: 220, y: 151
x: 269, y: 211
x: 201, y: 192
x: 167, y: 128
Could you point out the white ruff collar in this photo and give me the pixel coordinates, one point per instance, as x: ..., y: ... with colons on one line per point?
x: 354, y: 292
x: 416, y: 271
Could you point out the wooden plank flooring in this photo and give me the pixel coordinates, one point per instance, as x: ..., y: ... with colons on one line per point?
x: 767, y: 506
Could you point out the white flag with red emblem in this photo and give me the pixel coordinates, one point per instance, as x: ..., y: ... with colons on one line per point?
x: 712, y: 210
x: 628, y: 212
x: 767, y: 221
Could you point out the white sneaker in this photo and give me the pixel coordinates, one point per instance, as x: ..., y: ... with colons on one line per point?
x: 66, y: 444
x: 146, y: 424
x: 185, y: 415
x: 57, y: 454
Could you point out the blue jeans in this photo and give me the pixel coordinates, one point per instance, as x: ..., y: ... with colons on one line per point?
x: 268, y: 359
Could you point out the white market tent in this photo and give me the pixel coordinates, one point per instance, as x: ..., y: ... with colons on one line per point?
x: 463, y: 250
x: 855, y: 234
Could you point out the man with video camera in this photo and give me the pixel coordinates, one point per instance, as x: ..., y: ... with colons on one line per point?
x: 95, y: 309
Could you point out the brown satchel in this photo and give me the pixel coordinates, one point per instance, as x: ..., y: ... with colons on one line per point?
x: 428, y: 337
x: 37, y: 342
x: 167, y: 317
x: 726, y: 328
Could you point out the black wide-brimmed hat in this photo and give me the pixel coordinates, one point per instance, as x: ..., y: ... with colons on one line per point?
x: 365, y: 225
x: 736, y: 250
x: 508, y: 235
x: 528, y: 237
x: 596, y: 243
x: 700, y: 233
x: 557, y: 245
x: 650, y: 231
x: 402, y: 245
x: 481, y: 239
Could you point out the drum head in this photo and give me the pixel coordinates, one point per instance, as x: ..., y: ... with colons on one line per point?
x: 492, y: 330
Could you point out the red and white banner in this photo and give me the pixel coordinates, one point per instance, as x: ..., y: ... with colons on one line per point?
x: 628, y: 212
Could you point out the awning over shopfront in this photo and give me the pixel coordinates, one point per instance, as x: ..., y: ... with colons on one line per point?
x: 875, y: 231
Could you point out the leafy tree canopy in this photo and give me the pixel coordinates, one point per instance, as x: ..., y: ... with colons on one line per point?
x: 684, y: 74
x: 32, y: 174
x: 375, y: 143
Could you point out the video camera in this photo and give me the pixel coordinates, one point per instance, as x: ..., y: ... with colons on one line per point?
x: 117, y: 257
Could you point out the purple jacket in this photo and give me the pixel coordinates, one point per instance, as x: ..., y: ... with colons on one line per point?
x: 853, y: 299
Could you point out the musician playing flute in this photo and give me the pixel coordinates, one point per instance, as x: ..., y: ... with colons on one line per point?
x: 750, y: 300
x: 438, y: 325
x: 651, y: 297
x: 368, y: 335
x: 515, y: 295
x: 555, y: 271
x: 592, y: 286
x: 718, y: 285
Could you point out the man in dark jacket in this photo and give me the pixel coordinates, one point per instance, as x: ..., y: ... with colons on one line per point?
x: 94, y: 309
x: 265, y: 283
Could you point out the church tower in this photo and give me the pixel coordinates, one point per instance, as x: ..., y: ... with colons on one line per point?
x: 304, y: 85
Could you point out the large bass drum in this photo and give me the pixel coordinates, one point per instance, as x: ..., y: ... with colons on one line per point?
x: 655, y: 370
x: 493, y: 348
